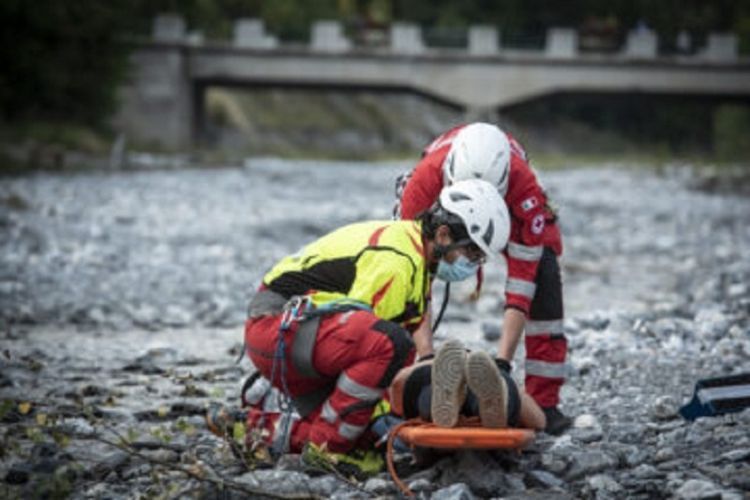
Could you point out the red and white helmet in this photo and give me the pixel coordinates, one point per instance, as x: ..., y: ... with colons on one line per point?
x: 479, y: 151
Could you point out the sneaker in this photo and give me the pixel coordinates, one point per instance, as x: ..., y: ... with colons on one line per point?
x: 448, y: 384
x: 489, y: 387
x: 220, y: 419
x: 557, y: 422
x: 359, y: 464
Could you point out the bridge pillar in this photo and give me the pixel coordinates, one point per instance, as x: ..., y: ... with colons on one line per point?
x: 641, y: 44
x: 328, y: 36
x: 721, y: 47
x: 483, y: 40
x: 406, y: 38
x: 157, y: 103
x: 562, y: 43
x: 251, y: 33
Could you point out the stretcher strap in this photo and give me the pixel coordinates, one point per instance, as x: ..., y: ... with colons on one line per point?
x: 392, y: 435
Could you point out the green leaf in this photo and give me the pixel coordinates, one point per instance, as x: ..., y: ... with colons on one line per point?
x: 238, y: 432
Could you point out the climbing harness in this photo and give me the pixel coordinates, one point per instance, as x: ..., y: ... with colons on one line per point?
x: 300, y: 311
x: 293, y: 311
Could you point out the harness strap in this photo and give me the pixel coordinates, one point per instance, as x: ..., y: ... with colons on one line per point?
x: 303, y: 345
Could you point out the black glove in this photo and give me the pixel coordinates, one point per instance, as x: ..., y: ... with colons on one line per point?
x: 503, y: 365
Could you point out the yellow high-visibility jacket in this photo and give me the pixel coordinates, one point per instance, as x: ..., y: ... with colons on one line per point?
x: 379, y: 264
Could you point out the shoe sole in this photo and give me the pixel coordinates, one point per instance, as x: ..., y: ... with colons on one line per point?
x: 490, y: 389
x: 448, y: 384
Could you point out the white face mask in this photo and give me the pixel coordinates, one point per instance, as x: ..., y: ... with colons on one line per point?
x: 461, y: 269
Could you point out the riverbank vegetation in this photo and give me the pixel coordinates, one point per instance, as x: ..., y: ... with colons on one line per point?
x: 63, y: 63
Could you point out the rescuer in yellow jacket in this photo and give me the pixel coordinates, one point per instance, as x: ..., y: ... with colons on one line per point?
x: 331, y: 325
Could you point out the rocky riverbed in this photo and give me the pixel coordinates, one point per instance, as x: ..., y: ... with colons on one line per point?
x: 122, y: 297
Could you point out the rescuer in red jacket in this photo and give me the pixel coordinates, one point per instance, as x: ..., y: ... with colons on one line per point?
x: 533, y: 292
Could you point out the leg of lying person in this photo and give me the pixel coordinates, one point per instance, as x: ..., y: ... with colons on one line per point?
x: 411, y: 395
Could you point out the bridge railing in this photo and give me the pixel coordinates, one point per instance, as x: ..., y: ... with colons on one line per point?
x: 328, y: 36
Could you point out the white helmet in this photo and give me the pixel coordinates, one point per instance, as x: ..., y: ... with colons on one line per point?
x: 479, y: 151
x: 483, y: 213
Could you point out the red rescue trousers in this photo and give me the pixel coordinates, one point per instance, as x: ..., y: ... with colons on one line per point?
x: 357, y: 355
x: 546, y: 345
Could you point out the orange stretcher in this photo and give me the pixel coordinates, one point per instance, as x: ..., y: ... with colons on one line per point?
x: 469, y: 435
x: 432, y: 436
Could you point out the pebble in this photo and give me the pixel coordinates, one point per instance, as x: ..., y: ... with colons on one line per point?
x: 458, y: 491
x: 543, y: 478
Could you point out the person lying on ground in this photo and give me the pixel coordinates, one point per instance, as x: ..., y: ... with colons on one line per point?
x: 457, y: 383
x: 449, y: 390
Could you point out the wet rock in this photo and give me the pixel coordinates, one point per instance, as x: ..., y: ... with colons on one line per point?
x: 480, y: 471
x: 742, y: 454
x: 665, y: 408
x: 459, y: 491
x: 646, y: 471
x: 589, y: 462
x: 379, y: 486
x: 421, y: 484
x: 586, y: 429
x: 113, y: 461
x: 277, y: 481
x: 135, y: 471
x: 554, y: 463
x: 19, y: 473
x: 603, y: 484
x: 711, y: 322
x: 162, y: 456
x: 543, y: 479
x: 697, y: 489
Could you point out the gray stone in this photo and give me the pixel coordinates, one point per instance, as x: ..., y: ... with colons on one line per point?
x: 588, y: 435
x: 379, y: 486
x: 544, y: 479
x: 326, y: 486
x: 481, y: 472
x: 554, y: 463
x: 162, y: 456
x: 604, y: 483
x: 135, y: 471
x: 697, y: 489
x: 458, y: 491
x: 420, y: 484
x: 664, y: 408
x: 589, y: 462
x: 736, y: 455
x: 646, y: 471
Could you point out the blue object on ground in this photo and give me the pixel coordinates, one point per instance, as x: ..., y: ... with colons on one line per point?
x: 718, y: 395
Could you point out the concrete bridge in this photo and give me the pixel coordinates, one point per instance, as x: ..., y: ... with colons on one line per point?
x: 163, y: 102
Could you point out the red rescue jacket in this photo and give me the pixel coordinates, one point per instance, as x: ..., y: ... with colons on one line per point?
x: 533, y: 224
